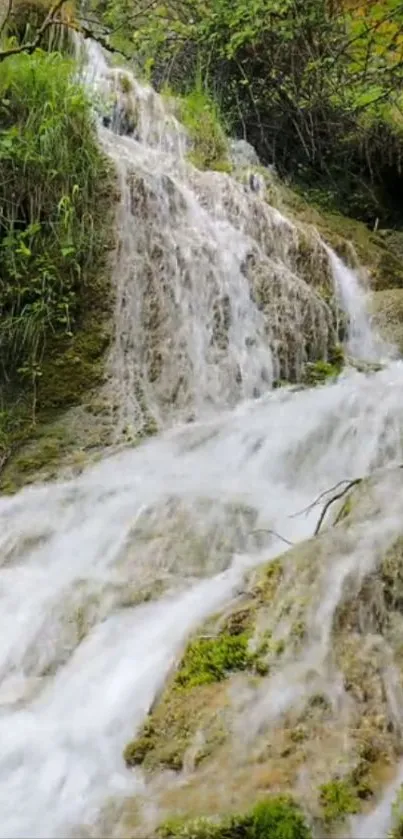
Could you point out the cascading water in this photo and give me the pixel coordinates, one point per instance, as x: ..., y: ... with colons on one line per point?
x: 103, y: 577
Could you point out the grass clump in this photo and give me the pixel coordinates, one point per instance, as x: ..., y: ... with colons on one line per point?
x: 208, y: 660
x: 338, y: 799
x: 200, y: 115
x: 274, y: 818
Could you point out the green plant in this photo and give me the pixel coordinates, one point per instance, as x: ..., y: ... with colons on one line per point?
x: 278, y: 818
x: 200, y: 115
x: 338, y: 799
x: 210, y: 659
x: 317, y: 372
x: 274, y: 818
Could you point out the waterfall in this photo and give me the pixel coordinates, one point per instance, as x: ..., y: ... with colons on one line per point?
x: 103, y: 577
x: 218, y: 294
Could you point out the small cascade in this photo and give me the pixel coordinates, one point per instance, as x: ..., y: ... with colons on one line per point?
x: 219, y: 296
x: 361, y: 343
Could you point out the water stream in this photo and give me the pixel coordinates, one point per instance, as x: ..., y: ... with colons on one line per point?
x: 82, y: 655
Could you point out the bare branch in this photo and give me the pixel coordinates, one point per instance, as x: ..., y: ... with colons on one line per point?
x: 333, y: 499
x: 273, y: 533
x: 319, y: 498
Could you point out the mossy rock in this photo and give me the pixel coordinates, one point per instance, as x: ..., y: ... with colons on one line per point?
x: 72, y: 372
x: 195, y: 701
x: 387, y: 311
x: 221, y: 735
x: 351, y: 239
x: 170, y: 731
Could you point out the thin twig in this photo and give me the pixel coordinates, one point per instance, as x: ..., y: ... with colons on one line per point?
x: 273, y: 533
x: 319, y: 498
x: 335, y: 498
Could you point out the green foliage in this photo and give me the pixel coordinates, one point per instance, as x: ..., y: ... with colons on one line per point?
x: 317, y: 372
x: 52, y: 194
x: 274, y: 818
x: 200, y: 115
x: 317, y: 87
x: 338, y: 799
x: 209, y: 660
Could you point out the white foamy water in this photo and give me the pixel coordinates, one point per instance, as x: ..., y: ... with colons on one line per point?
x: 82, y: 657
x: 362, y: 342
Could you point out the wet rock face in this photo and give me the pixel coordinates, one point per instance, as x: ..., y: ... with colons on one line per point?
x: 243, y: 153
x: 219, y: 295
x: 387, y: 311
x: 300, y: 325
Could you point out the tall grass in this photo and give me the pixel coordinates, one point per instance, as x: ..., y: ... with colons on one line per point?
x: 53, y: 180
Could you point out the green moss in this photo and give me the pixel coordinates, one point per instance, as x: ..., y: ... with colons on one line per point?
x: 318, y: 372
x: 171, y: 727
x: 72, y: 368
x: 352, y: 240
x: 274, y: 818
x: 209, y: 660
x: 338, y: 799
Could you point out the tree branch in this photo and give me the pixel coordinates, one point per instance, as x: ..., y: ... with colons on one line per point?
x: 319, y: 498
x: 273, y: 533
x: 89, y: 33
x: 331, y: 500
x: 34, y: 44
